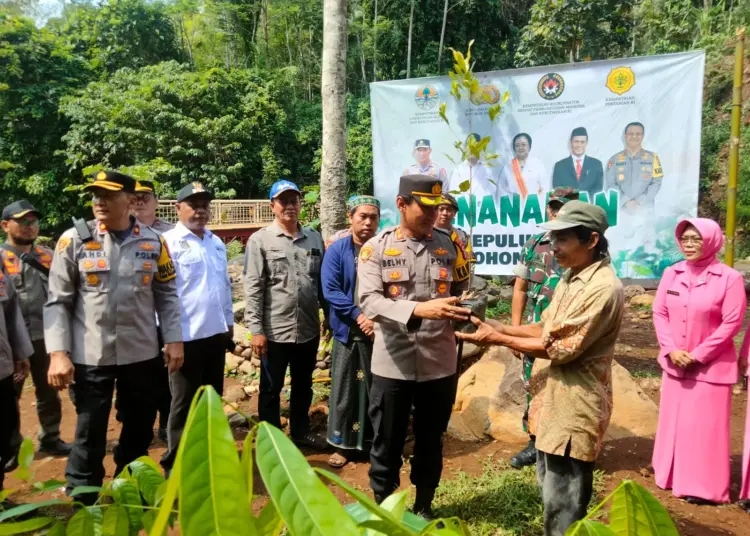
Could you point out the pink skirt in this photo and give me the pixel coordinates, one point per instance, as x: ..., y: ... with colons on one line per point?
x: 745, y: 492
x: 692, y: 453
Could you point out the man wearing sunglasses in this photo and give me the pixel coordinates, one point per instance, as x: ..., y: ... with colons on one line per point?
x: 27, y: 266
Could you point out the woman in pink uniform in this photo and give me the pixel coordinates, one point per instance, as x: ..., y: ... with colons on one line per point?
x: 745, y: 491
x: 699, y: 308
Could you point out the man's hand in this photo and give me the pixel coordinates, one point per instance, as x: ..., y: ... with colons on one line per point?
x: 174, y: 355
x: 366, y: 325
x: 441, y: 309
x: 484, y: 335
x: 21, y: 370
x: 259, y: 344
x: 61, y: 369
x: 681, y: 358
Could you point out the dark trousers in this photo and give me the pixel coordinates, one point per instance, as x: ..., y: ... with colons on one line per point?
x: 8, y: 421
x: 301, y: 359
x: 92, y: 396
x: 203, y: 365
x: 390, y: 404
x: 566, y: 485
x: 48, y: 405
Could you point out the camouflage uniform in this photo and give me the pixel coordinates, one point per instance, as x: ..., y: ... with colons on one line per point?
x: 539, y: 268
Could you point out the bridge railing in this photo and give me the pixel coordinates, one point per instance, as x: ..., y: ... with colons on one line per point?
x: 235, y: 212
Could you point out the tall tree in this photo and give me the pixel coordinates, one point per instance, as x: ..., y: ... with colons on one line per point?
x: 408, y: 47
x: 333, y: 92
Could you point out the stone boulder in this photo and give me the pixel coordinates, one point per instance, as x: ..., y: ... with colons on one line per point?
x: 631, y: 291
x: 642, y: 300
x: 491, y: 401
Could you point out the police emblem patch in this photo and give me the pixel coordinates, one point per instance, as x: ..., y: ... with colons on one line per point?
x: 392, y: 252
x: 442, y: 288
x: 365, y: 254
x: 394, y: 290
x: 92, y: 245
x: 440, y: 251
x: 620, y: 80
x: 88, y: 264
x: 102, y: 264
x: 426, y: 97
x: 394, y: 275
x: 92, y: 279
x: 437, y: 189
x: 443, y: 273
x: 148, y: 266
x: 550, y: 86
x: 147, y: 246
x: 147, y: 279
x: 62, y: 244
x: 101, y: 176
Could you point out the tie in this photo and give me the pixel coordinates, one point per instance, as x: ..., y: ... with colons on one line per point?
x: 578, y: 169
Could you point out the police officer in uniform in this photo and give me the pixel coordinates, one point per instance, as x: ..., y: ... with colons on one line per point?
x: 408, y: 287
x: 635, y: 172
x: 27, y: 266
x: 108, y: 280
x: 424, y: 165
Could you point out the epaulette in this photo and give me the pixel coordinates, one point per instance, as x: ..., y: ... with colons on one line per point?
x: 444, y: 231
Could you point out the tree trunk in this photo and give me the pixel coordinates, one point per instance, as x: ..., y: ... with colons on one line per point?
x: 408, y: 49
x: 375, y: 44
x: 442, y: 36
x: 333, y: 93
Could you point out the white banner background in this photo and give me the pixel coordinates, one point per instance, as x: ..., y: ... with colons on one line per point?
x: 666, y: 97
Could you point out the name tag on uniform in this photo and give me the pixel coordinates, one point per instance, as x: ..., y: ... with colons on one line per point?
x: 673, y: 292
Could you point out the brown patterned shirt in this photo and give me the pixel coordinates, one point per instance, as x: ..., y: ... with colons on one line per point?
x: 580, y: 328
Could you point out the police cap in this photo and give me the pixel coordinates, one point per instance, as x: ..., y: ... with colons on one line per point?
x: 18, y: 209
x: 425, y: 189
x: 114, y: 181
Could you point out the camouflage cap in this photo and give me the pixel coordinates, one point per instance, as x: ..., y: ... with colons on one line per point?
x: 578, y: 214
x: 563, y: 194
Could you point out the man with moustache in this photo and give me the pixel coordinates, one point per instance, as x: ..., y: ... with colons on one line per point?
x: 408, y: 286
x: 283, y: 294
x: 108, y: 280
x: 349, y: 429
x: 424, y: 164
x: 205, y: 293
x: 27, y: 266
x: 579, y: 171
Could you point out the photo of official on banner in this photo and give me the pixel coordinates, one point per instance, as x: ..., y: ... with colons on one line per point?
x: 624, y: 133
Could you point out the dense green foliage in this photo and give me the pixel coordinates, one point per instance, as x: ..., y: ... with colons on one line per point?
x: 228, y: 91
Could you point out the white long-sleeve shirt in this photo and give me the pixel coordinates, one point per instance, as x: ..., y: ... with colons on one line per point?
x: 203, y: 284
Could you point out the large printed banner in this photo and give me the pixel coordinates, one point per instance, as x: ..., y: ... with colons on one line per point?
x: 625, y: 133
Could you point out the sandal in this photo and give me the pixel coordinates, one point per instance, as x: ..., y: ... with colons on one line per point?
x: 337, y: 461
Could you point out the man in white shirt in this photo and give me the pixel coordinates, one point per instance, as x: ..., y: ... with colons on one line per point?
x: 525, y: 174
x: 205, y: 294
x: 483, y: 182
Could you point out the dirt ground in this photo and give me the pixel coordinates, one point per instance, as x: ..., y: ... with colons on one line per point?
x: 629, y: 459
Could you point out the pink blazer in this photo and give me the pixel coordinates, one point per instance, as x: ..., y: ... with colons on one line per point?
x: 702, y: 320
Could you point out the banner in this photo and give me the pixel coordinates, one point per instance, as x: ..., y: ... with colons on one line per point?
x: 625, y: 133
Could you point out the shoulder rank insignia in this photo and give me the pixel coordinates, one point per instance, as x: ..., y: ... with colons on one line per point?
x: 399, y: 234
x: 365, y: 253
x: 440, y: 251
x: 392, y: 252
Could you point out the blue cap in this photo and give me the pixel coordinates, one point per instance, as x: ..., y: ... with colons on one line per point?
x: 282, y: 186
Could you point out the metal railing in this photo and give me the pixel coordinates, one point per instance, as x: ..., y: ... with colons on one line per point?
x: 239, y: 212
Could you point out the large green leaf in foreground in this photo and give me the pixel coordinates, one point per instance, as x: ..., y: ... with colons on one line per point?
x: 636, y: 512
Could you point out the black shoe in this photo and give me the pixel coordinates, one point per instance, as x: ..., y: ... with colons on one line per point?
x: 744, y: 504
x: 162, y: 433
x: 56, y: 448
x: 423, y: 504
x: 698, y: 501
x: 311, y: 440
x: 526, y: 457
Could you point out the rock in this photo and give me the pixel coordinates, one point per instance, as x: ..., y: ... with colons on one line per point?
x: 238, y: 308
x: 256, y: 362
x: 234, y: 394
x: 492, y: 300
x: 631, y: 291
x: 256, y: 383
x: 642, y: 300
x: 650, y: 383
x: 491, y: 401
x: 237, y: 421
x: 478, y: 283
x: 506, y: 293
x: 238, y: 350
x: 321, y: 365
x: 233, y: 361
x: 247, y: 367
x: 247, y: 353
x: 471, y: 350
x: 250, y: 390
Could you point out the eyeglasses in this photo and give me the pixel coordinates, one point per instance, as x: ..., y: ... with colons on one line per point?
x: 687, y: 240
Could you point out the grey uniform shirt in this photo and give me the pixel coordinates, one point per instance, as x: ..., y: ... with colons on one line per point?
x: 30, y: 285
x: 103, y: 295
x: 395, y: 273
x: 433, y: 170
x: 282, y: 284
x: 161, y: 226
x: 15, y: 344
x: 636, y: 177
